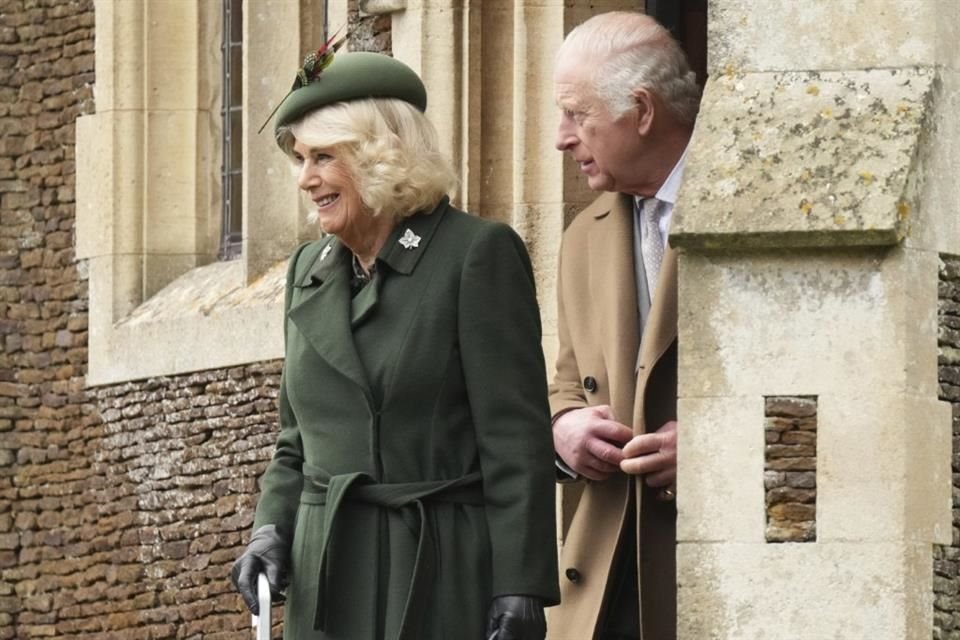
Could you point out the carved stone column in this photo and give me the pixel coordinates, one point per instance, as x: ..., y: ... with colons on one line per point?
x: 815, y: 201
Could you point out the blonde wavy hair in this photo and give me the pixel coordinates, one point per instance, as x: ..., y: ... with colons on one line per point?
x: 388, y: 146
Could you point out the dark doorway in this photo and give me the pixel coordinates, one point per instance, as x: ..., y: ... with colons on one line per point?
x: 687, y: 21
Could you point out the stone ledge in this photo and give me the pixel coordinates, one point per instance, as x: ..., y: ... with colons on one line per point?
x: 804, y: 159
x: 206, y: 319
x: 209, y: 290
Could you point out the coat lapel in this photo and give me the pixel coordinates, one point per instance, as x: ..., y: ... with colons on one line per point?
x: 410, y: 239
x: 400, y: 253
x: 365, y: 302
x: 661, y: 328
x: 614, y: 295
x: 321, y: 311
x: 322, y: 308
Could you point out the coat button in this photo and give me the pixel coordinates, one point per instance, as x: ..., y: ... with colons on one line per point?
x: 572, y: 575
x: 590, y: 384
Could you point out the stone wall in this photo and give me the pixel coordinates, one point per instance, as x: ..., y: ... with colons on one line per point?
x: 790, y: 468
x: 946, y: 559
x: 173, y: 469
x: 46, y: 416
x: 367, y: 32
x: 133, y: 532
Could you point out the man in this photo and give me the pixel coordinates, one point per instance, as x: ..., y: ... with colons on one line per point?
x: 628, y: 103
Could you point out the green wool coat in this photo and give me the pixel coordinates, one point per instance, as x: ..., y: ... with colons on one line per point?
x: 414, y: 466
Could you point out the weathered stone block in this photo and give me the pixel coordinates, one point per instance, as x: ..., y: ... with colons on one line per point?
x: 807, y: 439
x: 791, y: 35
x: 790, y: 451
x: 788, y: 531
x: 829, y: 590
x: 801, y: 480
x: 790, y: 495
x: 721, y: 435
x: 790, y: 407
x: 826, y: 312
x: 791, y: 511
x: 818, y: 159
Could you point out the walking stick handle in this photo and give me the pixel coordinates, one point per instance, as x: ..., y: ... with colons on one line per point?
x: 262, y: 622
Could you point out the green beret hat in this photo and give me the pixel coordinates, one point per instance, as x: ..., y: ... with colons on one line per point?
x: 351, y: 76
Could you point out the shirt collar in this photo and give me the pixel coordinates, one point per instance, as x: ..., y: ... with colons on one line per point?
x: 671, y: 186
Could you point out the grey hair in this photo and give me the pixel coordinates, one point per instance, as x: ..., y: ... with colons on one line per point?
x: 638, y: 53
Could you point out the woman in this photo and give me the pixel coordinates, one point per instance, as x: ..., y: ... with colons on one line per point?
x: 411, y: 493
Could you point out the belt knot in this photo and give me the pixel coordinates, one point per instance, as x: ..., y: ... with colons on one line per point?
x: 412, y: 500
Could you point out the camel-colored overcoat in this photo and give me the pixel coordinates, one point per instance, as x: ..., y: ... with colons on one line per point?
x: 600, y: 339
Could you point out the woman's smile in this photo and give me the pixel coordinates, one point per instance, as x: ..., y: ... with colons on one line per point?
x: 325, y: 201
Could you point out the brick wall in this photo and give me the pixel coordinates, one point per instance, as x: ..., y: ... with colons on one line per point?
x: 790, y: 468
x: 174, y: 467
x: 133, y: 533
x: 46, y: 416
x: 121, y: 508
x: 946, y: 559
x: 369, y: 32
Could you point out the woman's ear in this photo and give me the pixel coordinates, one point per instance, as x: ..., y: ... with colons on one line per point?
x: 644, y: 104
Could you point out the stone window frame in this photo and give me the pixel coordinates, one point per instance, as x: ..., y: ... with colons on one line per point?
x: 160, y: 304
x: 148, y: 200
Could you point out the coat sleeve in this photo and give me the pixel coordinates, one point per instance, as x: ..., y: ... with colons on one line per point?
x: 566, y: 391
x: 282, y: 482
x: 506, y: 385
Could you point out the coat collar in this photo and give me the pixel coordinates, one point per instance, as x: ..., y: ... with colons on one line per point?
x: 325, y: 291
x: 329, y: 254
x: 401, y: 257
x: 610, y: 202
x: 659, y: 332
x: 420, y: 227
x: 661, y: 328
x: 322, y: 311
x: 615, y: 218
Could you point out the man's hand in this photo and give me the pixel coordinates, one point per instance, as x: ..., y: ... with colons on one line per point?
x: 589, y: 441
x: 653, y: 455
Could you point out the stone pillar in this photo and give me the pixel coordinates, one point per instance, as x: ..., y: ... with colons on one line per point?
x: 113, y: 159
x: 814, y: 205
x: 270, y: 65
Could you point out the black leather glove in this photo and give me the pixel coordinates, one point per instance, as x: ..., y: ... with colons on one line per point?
x: 267, y: 553
x: 516, y: 618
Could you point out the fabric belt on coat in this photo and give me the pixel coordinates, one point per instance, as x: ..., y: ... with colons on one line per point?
x: 411, y: 500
